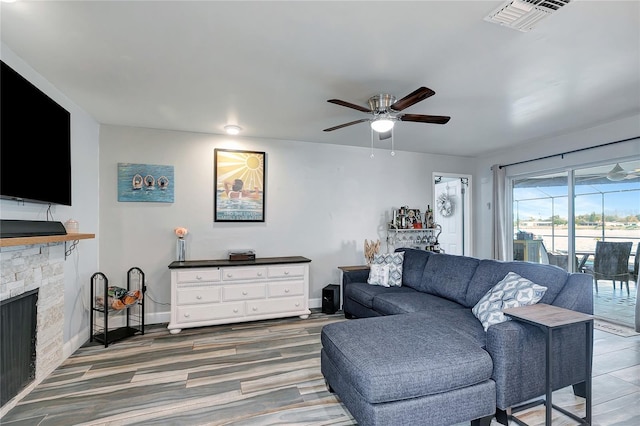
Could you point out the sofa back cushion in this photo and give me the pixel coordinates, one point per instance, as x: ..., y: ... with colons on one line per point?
x: 448, y: 276
x: 490, y: 272
x: 413, y: 266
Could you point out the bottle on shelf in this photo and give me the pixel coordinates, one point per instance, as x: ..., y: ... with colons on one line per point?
x: 428, y: 217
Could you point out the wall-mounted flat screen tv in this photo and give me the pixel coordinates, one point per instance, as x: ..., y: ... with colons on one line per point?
x: 35, y: 143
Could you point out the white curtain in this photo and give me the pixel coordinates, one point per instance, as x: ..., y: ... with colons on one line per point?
x: 501, y: 229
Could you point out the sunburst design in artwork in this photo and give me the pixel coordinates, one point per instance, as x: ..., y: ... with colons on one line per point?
x: 247, y: 166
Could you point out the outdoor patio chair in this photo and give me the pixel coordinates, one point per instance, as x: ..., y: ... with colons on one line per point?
x: 611, y: 262
x: 557, y: 259
x: 562, y: 260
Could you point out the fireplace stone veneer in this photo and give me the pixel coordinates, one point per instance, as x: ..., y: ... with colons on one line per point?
x: 41, y: 266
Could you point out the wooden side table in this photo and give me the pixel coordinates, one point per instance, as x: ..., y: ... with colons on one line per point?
x: 550, y: 318
x: 348, y: 269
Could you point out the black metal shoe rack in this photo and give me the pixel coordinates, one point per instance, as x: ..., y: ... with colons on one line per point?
x: 100, y: 315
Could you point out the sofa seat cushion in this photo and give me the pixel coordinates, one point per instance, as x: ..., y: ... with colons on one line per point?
x: 364, y: 293
x: 391, y: 303
x: 402, y: 356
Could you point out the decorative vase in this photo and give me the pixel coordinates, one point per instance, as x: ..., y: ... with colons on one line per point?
x: 181, y: 249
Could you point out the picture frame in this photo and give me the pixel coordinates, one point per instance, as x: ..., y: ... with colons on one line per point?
x: 239, y: 185
x: 150, y: 183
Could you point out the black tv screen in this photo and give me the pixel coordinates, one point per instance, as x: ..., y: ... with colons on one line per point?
x: 35, y: 143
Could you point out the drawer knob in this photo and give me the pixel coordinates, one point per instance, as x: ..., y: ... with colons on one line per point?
x: 259, y: 274
x: 286, y: 290
x: 187, y: 315
x: 235, y: 310
x: 198, y: 277
x: 297, y: 304
x: 254, y: 309
x: 244, y: 293
x: 198, y: 297
x: 286, y: 272
x: 229, y: 275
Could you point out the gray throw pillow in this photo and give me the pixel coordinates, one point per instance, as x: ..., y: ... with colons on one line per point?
x: 513, y: 291
x: 379, y: 275
x: 394, y: 260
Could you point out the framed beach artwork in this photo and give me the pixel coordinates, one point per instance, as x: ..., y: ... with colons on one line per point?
x: 239, y: 194
x: 145, y: 183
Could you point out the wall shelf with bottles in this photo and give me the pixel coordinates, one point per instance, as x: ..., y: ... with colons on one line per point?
x: 410, y: 229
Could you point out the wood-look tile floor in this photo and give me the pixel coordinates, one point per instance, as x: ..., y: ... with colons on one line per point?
x: 260, y: 373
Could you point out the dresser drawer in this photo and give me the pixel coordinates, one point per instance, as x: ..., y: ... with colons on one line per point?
x: 244, y: 292
x: 272, y: 306
x: 286, y: 288
x: 195, y: 295
x: 197, y: 313
x: 286, y: 271
x: 200, y: 275
x: 233, y: 274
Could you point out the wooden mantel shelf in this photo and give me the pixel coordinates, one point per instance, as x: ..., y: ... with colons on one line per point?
x: 26, y: 241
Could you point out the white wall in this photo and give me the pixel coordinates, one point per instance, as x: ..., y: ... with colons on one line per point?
x: 83, y: 261
x: 322, y: 202
x: 625, y: 128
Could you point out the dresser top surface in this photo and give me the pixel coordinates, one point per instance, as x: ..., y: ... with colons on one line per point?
x: 214, y: 263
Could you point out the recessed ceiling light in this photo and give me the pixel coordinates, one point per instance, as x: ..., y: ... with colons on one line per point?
x: 232, y: 129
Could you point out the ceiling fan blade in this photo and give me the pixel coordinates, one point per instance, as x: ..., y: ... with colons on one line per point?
x: 349, y: 105
x: 384, y: 135
x: 345, y: 125
x: 419, y: 118
x: 412, y: 98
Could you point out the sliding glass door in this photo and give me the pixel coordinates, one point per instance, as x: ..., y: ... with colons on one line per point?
x: 598, y: 233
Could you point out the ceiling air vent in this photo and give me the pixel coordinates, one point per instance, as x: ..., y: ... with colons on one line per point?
x: 523, y: 15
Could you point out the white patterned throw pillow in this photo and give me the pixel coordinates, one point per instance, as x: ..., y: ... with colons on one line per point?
x: 513, y: 291
x: 379, y: 275
x: 394, y: 261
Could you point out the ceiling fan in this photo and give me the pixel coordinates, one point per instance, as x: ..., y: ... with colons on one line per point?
x: 618, y: 173
x: 385, y: 110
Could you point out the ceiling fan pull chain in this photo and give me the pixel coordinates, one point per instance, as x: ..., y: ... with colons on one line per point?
x: 393, y: 152
x: 371, y: 156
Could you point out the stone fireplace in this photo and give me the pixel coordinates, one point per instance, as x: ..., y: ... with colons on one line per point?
x: 38, y: 267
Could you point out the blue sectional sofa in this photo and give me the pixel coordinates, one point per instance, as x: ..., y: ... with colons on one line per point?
x: 415, y: 352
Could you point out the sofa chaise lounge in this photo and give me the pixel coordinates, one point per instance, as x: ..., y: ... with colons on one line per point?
x: 419, y: 354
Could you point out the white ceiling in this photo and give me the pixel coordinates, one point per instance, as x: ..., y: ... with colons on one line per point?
x: 270, y: 67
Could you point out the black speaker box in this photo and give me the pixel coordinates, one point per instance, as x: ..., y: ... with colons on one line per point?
x: 30, y: 228
x: 331, y: 299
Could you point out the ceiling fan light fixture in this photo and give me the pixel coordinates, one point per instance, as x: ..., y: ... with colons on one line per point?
x: 232, y: 129
x: 382, y: 125
x: 617, y: 173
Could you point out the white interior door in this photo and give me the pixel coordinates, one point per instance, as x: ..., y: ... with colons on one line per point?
x: 454, y: 237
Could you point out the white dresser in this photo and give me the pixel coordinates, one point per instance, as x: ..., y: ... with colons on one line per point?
x: 209, y: 292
